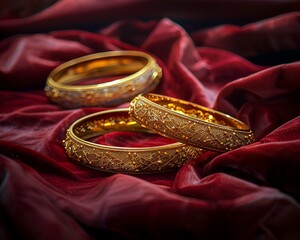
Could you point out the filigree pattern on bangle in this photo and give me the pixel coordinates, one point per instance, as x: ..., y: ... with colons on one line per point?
x: 190, y: 123
x: 122, y: 159
x: 142, y: 75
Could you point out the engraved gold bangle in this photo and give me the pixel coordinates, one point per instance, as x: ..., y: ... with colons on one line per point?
x: 130, y: 160
x: 141, y: 70
x: 190, y: 123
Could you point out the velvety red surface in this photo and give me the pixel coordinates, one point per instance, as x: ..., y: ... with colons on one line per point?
x: 249, y: 193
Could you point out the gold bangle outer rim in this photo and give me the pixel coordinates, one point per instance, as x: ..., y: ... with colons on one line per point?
x: 104, y: 94
x: 135, y: 160
x: 202, y: 134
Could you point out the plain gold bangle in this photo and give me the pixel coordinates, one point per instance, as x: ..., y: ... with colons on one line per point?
x: 190, y: 123
x: 121, y: 159
x: 141, y: 70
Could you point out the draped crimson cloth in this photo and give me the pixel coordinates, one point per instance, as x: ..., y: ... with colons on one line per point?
x: 248, y: 193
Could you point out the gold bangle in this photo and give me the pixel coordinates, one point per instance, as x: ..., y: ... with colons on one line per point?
x: 190, y: 123
x: 144, y: 75
x: 130, y: 160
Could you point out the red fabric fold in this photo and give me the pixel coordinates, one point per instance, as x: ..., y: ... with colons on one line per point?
x: 270, y: 35
x: 247, y: 193
x: 27, y: 16
x: 274, y: 158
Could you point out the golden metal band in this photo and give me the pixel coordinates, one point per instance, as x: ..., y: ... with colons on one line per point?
x: 141, y: 70
x: 120, y: 159
x: 190, y: 123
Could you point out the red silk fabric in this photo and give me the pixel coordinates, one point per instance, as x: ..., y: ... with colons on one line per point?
x: 249, y: 193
